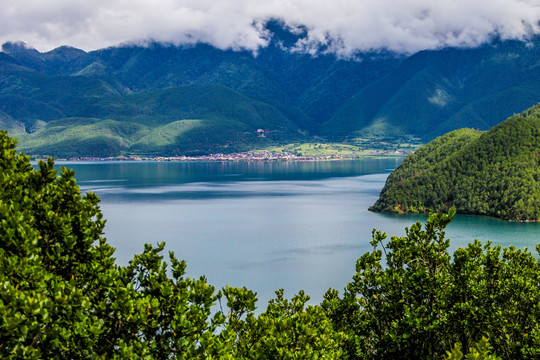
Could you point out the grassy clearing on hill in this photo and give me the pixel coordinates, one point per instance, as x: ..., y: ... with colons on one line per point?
x: 358, y: 147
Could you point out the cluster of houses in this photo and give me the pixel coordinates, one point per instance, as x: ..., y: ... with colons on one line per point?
x: 243, y: 156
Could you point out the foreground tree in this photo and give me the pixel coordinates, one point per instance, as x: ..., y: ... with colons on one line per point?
x: 288, y: 329
x: 422, y: 301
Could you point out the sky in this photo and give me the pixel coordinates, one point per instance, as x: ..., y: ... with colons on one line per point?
x: 342, y: 26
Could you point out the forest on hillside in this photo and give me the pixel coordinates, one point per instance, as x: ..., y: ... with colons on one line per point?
x: 494, y: 173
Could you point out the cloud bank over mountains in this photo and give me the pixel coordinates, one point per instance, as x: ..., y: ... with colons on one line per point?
x: 340, y: 26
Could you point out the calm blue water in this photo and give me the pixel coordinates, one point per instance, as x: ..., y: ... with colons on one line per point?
x: 263, y: 225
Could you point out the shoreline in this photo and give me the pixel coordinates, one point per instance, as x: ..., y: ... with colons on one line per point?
x: 426, y: 213
x: 234, y: 157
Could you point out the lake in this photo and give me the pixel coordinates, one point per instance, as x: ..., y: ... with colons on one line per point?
x: 263, y: 225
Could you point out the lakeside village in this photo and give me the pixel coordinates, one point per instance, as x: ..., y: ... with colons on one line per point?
x: 243, y: 156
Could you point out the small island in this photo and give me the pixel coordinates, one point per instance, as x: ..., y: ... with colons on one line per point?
x: 493, y: 173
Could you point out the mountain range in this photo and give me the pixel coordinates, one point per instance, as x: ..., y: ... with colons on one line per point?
x: 157, y: 98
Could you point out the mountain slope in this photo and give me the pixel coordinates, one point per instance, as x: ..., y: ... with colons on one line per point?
x: 220, y: 98
x: 197, y: 119
x: 315, y: 85
x: 495, y: 173
x: 433, y: 92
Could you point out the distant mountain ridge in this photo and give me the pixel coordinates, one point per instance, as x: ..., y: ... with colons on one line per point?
x: 291, y: 94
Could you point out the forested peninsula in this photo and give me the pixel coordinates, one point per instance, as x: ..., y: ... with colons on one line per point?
x: 494, y: 173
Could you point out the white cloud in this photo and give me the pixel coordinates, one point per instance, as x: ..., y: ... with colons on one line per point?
x: 345, y: 26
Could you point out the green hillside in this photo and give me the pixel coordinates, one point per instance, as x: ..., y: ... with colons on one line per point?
x: 433, y: 92
x: 495, y: 173
x: 194, y: 119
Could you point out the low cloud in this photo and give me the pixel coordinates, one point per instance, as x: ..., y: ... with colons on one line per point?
x: 340, y: 26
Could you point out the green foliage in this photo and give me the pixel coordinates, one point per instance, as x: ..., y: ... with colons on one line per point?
x: 482, y: 351
x: 54, y: 266
x: 494, y: 173
x: 411, y: 299
x: 287, y: 330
